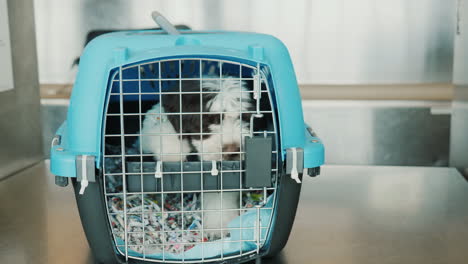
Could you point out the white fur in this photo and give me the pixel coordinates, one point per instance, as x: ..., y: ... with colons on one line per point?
x: 156, y: 124
x: 232, y: 129
x: 212, y: 219
x: 229, y: 99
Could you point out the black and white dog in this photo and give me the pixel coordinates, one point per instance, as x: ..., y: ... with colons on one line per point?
x: 221, y: 124
x: 222, y: 127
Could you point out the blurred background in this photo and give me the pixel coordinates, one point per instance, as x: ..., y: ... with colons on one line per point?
x: 332, y: 42
x: 380, y: 70
x: 383, y: 82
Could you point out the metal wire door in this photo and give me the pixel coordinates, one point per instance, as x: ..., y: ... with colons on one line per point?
x: 170, y: 170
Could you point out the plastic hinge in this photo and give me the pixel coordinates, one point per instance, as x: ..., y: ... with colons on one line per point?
x: 85, y: 171
x: 214, y: 170
x: 158, y: 173
x: 57, y: 140
x: 294, y: 163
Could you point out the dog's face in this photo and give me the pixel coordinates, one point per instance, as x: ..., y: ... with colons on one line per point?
x: 223, y: 108
x: 230, y: 150
x: 224, y: 142
x: 232, y: 132
x: 235, y: 101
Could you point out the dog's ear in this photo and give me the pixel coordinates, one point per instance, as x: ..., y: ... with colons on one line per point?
x: 190, y: 104
x: 170, y: 102
x: 246, y: 117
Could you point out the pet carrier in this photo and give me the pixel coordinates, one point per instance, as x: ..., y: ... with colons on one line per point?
x: 185, y: 147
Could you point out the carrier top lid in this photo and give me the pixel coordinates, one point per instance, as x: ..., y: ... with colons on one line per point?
x: 111, y: 51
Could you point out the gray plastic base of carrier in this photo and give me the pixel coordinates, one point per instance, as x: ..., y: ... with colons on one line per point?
x: 171, y: 177
x: 94, y: 220
x: 92, y: 208
x: 258, y: 162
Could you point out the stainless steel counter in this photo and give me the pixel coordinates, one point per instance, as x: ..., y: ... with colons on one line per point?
x: 347, y: 215
x: 385, y: 125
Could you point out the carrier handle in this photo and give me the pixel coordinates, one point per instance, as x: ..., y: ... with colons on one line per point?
x: 164, y: 23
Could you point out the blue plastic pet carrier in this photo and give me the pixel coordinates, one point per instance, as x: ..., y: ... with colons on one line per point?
x: 185, y: 147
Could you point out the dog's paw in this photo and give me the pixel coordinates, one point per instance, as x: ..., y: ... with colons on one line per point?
x: 212, y: 235
x: 216, y: 235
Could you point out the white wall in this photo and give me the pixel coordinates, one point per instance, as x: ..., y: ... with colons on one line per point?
x: 331, y: 41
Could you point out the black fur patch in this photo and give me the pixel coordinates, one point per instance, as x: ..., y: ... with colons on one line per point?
x: 190, y: 104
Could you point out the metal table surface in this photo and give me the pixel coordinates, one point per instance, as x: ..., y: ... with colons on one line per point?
x: 348, y: 214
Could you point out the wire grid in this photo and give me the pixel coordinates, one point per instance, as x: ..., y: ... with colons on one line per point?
x: 144, y: 83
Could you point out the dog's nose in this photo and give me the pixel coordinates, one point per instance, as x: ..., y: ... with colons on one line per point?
x: 231, y: 156
x: 229, y: 148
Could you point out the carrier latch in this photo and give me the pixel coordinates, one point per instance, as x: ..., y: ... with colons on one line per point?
x: 258, y: 162
x: 294, y: 163
x: 85, y: 170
